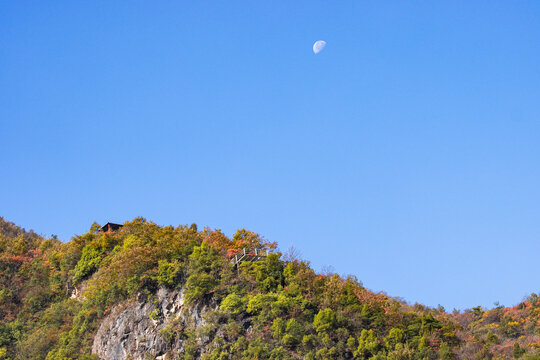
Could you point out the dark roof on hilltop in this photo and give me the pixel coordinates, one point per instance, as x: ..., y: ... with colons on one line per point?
x: 111, y: 227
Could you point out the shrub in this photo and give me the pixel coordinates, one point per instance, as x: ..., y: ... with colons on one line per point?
x: 294, y: 333
x: 259, y: 302
x: 234, y: 304
x: 395, y: 336
x: 198, y: 285
x: 169, y: 273
x: 91, y: 257
x: 324, y: 321
x: 367, y: 344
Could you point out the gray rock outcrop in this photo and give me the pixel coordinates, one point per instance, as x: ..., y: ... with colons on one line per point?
x: 149, y: 329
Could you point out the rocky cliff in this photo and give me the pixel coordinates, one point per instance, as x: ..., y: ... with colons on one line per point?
x: 152, y: 328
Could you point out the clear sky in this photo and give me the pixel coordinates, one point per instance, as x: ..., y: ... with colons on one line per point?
x: 407, y: 152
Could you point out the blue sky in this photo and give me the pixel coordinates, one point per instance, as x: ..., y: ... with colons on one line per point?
x: 406, y: 153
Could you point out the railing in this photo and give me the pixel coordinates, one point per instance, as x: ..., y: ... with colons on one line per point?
x: 250, y: 255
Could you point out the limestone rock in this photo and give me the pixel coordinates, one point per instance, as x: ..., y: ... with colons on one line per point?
x: 141, y: 329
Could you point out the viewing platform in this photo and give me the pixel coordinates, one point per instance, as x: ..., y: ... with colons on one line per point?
x: 250, y: 255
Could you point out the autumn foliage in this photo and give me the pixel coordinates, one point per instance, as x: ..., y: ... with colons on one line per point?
x: 54, y: 295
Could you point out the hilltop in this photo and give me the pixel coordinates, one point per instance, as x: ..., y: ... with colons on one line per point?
x: 163, y: 292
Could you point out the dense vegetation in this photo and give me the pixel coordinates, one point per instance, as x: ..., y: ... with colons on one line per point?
x: 53, y: 296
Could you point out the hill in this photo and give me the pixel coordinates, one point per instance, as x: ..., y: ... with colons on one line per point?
x: 162, y: 292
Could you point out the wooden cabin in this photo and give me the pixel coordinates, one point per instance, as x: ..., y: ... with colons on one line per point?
x: 111, y: 227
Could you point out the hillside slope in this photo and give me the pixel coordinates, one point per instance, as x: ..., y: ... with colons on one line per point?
x: 152, y: 292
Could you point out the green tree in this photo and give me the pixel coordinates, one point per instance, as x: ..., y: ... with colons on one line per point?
x: 395, y: 336
x: 198, y: 285
x: 294, y: 333
x: 92, y: 255
x: 269, y: 273
x: 324, y: 321
x: 234, y: 304
x: 368, y: 344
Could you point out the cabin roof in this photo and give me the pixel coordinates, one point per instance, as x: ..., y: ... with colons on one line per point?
x: 111, y: 227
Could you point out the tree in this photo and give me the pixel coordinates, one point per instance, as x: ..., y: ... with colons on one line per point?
x: 198, y: 285
x: 234, y: 304
x: 324, y: 321
x: 269, y: 273
x: 395, y: 336
x: 367, y: 345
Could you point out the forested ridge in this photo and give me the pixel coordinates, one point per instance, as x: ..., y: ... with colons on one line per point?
x: 54, y: 295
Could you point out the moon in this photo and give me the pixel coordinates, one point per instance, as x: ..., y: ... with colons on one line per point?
x: 319, y: 46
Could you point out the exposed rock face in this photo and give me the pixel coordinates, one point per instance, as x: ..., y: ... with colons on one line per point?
x: 145, y: 329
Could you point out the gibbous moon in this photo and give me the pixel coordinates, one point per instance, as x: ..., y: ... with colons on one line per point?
x: 319, y: 46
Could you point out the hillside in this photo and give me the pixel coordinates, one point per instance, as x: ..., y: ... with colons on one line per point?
x: 163, y: 292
